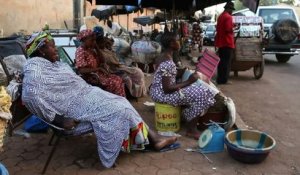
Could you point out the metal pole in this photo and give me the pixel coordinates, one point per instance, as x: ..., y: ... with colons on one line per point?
x: 77, y: 14
x: 127, y: 22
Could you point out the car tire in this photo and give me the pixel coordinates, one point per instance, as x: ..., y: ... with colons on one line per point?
x: 285, y: 30
x: 283, y: 58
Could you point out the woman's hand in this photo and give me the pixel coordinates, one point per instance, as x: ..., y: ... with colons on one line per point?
x: 203, y: 77
x: 180, y: 72
x: 69, y: 123
x: 66, y: 123
x: 193, y: 77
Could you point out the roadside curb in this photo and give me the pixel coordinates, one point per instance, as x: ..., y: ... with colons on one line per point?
x: 239, y: 123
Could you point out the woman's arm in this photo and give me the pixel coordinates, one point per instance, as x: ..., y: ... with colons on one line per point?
x: 180, y: 72
x: 85, y: 70
x: 168, y: 87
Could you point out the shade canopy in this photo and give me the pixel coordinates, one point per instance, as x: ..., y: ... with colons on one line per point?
x: 168, y: 4
x: 116, y: 2
x: 147, y: 20
x: 105, y: 13
x: 182, y: 5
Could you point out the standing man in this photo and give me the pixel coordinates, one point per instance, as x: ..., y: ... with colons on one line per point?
x: 114, y: 28
x: 224, y: 41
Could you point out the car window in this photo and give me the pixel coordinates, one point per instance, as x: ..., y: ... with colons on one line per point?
x: 272, y: 15
x: 210, y: 28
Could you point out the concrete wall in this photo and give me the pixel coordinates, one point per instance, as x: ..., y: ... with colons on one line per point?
x: 31, y: 15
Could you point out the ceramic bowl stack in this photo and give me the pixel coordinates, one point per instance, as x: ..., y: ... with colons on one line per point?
x: 249, y: 146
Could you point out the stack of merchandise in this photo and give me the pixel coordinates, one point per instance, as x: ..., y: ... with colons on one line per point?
x: 5, y: 115
x: 250, y: 26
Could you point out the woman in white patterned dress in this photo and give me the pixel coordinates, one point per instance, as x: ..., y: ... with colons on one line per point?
x: 52, y: 91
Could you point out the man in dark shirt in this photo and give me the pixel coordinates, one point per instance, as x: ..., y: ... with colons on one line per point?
x: 224, y: 41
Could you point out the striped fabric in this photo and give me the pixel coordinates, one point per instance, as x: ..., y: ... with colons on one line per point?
x: 208, y: 63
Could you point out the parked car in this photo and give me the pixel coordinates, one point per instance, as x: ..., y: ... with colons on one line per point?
x: 281, y: 28
x: 209, y: 35
x: 205, y: 23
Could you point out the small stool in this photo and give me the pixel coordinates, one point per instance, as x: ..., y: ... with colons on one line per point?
x: 167, y: 117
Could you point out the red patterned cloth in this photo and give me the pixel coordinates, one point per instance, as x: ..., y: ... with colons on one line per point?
x: 137, y: 138
x: 87, y: 58
x: 85, y: 33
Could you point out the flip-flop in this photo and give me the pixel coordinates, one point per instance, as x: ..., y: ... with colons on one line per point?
x: 170, y: 147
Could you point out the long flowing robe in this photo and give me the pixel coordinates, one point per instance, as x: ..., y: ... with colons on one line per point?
x: 51, y: 89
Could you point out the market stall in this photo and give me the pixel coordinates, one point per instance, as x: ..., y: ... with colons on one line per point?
x: 248, y: 41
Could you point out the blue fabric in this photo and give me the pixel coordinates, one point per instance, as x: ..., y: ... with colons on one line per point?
x: 34, y: 124
x: 3, y: 170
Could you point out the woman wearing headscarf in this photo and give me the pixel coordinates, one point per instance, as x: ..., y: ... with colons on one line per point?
x: 52, y: 91
x: 132, y: 76
x: 87, y: 62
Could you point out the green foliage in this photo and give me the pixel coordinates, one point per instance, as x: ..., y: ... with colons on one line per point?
x: 268, y: 2
x: 238, y: 5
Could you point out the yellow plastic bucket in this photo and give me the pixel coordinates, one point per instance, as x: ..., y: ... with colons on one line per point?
x: 167, y: 117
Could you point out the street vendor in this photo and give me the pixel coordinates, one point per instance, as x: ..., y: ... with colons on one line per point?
x: 87, y: 61
x: 54, y: 92
x: 224, y: 41
x: 114, y: 28
x: 195, y: 100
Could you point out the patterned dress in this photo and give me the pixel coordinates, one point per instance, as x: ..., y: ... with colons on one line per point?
x: 132, y: 76
x: 195, y: 98
x: 51, y: 89
x: 86, y: 58
x: 197, y: 35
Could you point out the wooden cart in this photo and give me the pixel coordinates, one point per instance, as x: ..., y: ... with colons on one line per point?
x: 248, y: 51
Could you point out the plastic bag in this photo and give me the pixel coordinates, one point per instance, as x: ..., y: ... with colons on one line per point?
x: 34, y: 124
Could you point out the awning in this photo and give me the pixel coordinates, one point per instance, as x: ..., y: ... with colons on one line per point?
x: 182, y: 5
x: 113, y: 10
x: 147, y: 20
x: 168, y: 4
x: 116, y: 2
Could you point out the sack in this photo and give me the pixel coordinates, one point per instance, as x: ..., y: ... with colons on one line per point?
x: 121, y: 47
x: 34, y: 124
x: 145, y: 51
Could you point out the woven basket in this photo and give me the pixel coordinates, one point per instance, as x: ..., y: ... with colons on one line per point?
x: 3, y: 126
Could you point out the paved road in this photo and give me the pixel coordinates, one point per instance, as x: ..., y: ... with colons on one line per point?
x: 272, y: 104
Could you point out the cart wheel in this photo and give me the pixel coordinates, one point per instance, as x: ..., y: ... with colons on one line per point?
x: 236, y: 73
x: 258, y: 69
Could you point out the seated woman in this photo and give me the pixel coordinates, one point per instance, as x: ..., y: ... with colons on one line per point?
x: 164, y: 89
x: 132, y: 76
x: 52, y: 90
x: 88, y: 62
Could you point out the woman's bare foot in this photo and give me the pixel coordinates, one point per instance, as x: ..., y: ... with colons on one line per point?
x: 163, y: 142
x: 195, y: 134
